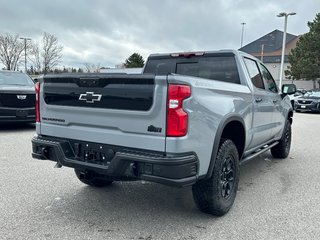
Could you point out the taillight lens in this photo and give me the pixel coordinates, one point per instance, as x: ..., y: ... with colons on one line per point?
x: 177, y: 118
x: 37, y: 88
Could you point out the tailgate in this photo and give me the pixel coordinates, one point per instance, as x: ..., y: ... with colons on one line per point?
x: 118, y: 109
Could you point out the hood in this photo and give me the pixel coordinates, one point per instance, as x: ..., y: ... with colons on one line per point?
x: 308, y: 98
x: 17, y: 89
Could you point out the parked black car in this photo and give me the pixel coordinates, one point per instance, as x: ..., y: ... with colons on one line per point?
x: 310, y: 102
x: 17, y: 97
x: 294, y: 97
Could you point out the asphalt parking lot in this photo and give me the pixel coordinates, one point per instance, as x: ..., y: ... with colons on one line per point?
x: 277, y: 199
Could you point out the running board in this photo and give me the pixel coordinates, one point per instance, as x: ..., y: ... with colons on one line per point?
x: 258, y: 152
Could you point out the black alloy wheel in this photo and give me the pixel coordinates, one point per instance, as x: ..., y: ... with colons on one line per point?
x: 227, y: 177
x: 282, y: 149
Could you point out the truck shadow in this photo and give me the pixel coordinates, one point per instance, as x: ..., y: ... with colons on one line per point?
x: 256, y: 168
x: 141, y: 208
x: 12, y: 127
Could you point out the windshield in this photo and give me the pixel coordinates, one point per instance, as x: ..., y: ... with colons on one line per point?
x: 15, y: 78
x: 312, y: 94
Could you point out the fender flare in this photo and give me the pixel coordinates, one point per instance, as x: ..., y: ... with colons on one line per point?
x: 216, y: 143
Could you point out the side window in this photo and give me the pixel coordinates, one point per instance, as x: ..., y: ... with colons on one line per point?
x: 271, y: 84
x: 254, y: 73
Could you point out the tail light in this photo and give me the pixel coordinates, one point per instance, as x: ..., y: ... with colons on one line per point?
x: 177, y: 118
x: 37, y: 88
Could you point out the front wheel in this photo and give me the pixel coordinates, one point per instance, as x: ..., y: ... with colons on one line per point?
x: 92, y: 179
x: 282, y: 149
x: 216, y: 195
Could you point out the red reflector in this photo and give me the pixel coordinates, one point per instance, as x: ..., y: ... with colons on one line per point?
x: 177, y: 118
x: 37, y: 107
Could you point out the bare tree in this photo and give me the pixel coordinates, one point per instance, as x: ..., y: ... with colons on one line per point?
x: 35, y: 57
x: 46, y: 55
x: 52, y: 51
x: 94, y: 68
x: 11, y: 50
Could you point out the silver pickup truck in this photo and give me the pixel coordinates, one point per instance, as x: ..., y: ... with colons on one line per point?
x: 189, y: 119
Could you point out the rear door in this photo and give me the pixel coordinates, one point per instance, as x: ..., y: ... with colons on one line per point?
x: 123, y: 110
x: 278, y: 119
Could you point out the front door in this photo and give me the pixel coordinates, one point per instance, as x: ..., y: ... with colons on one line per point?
x: 263, y: 106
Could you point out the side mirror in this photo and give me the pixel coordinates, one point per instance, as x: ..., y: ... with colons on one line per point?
x: 288, y: 89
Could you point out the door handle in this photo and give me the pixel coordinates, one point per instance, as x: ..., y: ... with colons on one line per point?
x: 275, y: 100
x: 258, y: 99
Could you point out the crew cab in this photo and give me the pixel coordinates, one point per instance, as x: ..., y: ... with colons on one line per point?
x: 189, y: 119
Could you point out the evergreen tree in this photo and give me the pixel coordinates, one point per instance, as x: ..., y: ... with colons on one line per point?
x: 305, y: 57
x: 134, y: 61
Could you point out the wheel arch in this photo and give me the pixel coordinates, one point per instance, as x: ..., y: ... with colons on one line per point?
x: 290, y: 116
x: 227, y: 129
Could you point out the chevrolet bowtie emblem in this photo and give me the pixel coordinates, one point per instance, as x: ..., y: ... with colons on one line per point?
x: 90, y: 97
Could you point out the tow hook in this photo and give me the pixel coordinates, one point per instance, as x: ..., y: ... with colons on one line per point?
x: 58, y: 165
x: 133, y: 169
x: 82, y: 175
x: 45, y: 152
x: 85, y: 175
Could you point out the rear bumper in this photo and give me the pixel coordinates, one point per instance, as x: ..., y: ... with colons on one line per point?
x: 122, y: 163
x: 17, y: 114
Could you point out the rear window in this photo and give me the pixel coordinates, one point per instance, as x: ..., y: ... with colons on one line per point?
x: 15, y: 78
x: 221, y: 68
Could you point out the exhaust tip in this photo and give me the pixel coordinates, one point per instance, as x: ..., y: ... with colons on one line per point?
x: 82, y: 175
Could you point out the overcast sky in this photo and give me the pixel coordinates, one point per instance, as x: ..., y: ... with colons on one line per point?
x: 106, y: 32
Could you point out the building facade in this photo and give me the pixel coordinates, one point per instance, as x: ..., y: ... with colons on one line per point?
x: 268, y: 49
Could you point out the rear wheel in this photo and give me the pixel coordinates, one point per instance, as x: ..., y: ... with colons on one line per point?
x: 216, y: 195
x: 92, y: 179
x: 282, y: 149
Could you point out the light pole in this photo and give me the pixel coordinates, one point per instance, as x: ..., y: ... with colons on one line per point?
x: 25, y: 52
x: 285, y: 15
x: 262, y: 49
x: 242, y: 33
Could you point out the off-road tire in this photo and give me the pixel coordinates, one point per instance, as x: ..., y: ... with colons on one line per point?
x: 93, y: 179
x: 282, y: 149
x: 216, y: 195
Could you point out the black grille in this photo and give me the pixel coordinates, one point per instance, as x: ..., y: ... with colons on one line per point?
x: 17, y: 113
x: 11, y: 100
x: 304, y: 101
